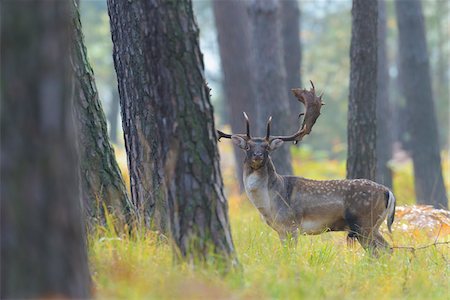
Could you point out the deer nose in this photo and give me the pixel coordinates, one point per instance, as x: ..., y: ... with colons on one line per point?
x: 258, y: 155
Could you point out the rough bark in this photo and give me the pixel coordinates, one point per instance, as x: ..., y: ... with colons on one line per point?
x: 384, y: 115
x: 269, y: 76
x: 234, y: 42
x: 101, y: 180
x: 416, y: 87
x: 361, y: 135
x: 169, y: 125
x: 43, y: 250
x: 292, y: 54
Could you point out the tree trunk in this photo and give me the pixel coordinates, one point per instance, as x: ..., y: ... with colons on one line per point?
x: 361, y: 157
x: 270, y: 76
x: 292, y: 54
x: 43, y: 250
x: 383, y: 107
x: 101, y: 180
x: 113, y: 115
x: 169, y: 125
x: 416, y: 86
x: 234, y: 41
x: 442, y: 87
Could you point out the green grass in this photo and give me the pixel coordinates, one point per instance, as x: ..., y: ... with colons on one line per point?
x: 321, y: 267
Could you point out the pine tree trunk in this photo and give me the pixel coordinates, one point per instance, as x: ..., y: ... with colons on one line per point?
x: 290, y: 19
x: 270, y: 76
x: 361, y: 158
x: 43, y: 250
x: 169, y: 124
x: 384, y: 115
x: 101, y: 179
x: 441, y: 76
x: 234, y: 41
x: 113, y: 115
x: 416, y: 86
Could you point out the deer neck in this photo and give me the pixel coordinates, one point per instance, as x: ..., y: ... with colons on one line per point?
x: 257, y: 185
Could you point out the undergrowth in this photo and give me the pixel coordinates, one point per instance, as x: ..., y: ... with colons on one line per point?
x: 141, y: 266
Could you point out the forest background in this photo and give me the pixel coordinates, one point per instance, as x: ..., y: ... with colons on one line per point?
x: 325, y: 29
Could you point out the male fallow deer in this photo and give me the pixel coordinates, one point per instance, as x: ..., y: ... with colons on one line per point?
x: 292, y: 205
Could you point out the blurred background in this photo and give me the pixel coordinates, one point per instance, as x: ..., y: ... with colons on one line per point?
x: 325, y: 33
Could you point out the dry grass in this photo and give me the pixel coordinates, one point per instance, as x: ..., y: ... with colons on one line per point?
x: 321, y: 267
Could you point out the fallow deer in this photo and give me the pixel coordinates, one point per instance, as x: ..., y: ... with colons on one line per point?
x: 293, y: 205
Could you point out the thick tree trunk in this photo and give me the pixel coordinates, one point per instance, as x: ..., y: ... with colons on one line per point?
x: 292, y: 54
x: 101, y: 180
x: 113, y: 116
x: 384, y: 115
x: 361, y: 157
x: 43, y: 251
x: 416, y: 86
x: 169, y: 124
x: 234, y: 41
x: 270, y: 76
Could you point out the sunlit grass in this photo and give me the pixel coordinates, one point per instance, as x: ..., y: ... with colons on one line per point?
x: 320, y: 267
x: 323, y: 266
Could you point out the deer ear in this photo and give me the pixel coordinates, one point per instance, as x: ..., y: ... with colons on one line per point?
x: 275, y: 144
x: 239, y: 141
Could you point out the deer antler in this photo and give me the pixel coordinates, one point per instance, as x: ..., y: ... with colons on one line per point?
x: 312, y: 104
x: 228, y: 136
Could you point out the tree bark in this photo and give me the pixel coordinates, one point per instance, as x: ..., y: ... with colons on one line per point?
x: 113, y: 115
x: 416, y: 87
x: 43, y: 250
x: 269, y: 76
x: 383, y: 106
x: 169, y: 125
x: 101, y: 180
x: 292, y: 54
x: 234, y: 43
x: 361, y: 136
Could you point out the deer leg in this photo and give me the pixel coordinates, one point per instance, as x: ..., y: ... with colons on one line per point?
x: 372, y: 241
x: 351, y: 239
x: 283, y: 238
x: 288, y: 238
x: 293, y: 238
x: 380, y: 242
x: 357, y: 230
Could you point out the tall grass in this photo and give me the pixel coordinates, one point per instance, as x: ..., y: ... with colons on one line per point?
x: 323, y: 266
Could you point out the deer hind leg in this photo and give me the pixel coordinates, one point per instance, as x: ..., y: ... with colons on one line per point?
x: 367, y: 234
x: 288, y: 238
x: 380, y: 242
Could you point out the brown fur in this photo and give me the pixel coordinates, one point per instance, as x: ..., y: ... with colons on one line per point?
x: 293, y: 205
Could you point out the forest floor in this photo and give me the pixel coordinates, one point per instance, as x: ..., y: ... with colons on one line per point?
x: 321, y: 267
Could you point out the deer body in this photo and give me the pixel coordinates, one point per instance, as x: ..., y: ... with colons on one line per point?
x: 293, y: 205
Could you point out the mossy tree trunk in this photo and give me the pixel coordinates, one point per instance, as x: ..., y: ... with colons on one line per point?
x: 269, y: 75
x: 361, y: 132
x: 169, y: 125
x: 101, y: 180
x: 421, y: 116
x: 233, y: 31
x: 43, y: 252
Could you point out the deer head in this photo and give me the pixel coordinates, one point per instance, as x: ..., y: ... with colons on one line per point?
x: 258, y: 148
